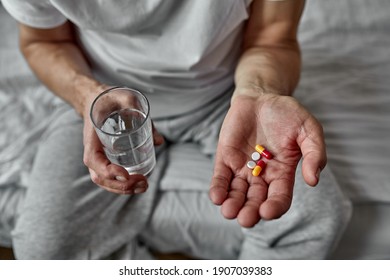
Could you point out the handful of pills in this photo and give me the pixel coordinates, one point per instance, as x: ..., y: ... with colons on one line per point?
x: 256, y: 164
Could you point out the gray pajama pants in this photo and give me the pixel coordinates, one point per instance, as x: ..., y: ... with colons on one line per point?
x: 65, y: 216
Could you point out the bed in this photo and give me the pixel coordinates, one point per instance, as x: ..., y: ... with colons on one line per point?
x: 345, y: 83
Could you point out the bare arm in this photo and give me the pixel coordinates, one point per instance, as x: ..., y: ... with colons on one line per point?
x: 58, y: 62
x: 263, y: 112
x: 271, y: 59
x: 56, y: 59
x: 271, y: 64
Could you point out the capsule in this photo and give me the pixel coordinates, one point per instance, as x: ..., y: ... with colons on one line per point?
x: 258, y: 168
x: 263, y: 152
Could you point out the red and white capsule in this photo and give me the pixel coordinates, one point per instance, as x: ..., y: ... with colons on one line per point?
x: 258, y: 168
x: 263, y: 152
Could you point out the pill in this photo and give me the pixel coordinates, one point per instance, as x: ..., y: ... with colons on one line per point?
x: 258, y: 168
x: 256, y: 156
x: 251, y: 164
x: 263, y: 152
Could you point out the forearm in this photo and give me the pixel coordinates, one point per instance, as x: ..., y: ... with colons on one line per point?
x: 61, y: 66
x: 271, y: 60
x: 268, y: 69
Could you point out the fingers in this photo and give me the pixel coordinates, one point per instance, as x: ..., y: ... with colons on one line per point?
x: 313, y: 163
x: 313, y: 152
x: 238, y: 200
x: 235, y: 198
x: 219, y: 186
x: 158, y: 139
x: 250, y: 201
x: 278, y: 200
x: 249, y: 214
x: 105, y: 174
x: 135, y: 184
x: 111, y: 177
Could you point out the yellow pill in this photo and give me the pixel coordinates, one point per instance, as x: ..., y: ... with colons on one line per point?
x: 256, y: 171
x: 258, y: 168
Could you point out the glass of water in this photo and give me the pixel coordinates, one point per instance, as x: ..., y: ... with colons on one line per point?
x: 122, y: 122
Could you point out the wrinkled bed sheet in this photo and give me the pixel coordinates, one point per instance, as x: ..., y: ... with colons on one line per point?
x: 345, y: 83
x: 26, y: 107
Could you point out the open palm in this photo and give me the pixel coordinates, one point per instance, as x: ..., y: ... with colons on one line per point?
x: 289, y: 132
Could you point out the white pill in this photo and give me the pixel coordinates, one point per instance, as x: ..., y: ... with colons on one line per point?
x: 256, y: 156
x: 251, y: 164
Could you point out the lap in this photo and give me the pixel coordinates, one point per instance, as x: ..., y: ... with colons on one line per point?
x: 309, y: 230
x: 187, y: 222
x: 67, y: 216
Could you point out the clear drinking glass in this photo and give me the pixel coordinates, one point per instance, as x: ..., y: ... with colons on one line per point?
x: 122, y: 122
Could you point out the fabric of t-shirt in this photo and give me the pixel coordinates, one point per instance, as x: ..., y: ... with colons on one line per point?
x: 181, y: 54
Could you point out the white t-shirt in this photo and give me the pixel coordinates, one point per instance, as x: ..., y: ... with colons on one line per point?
x: 181, y: 54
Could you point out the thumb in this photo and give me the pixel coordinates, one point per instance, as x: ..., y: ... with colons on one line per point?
x: 313, y: 152
x: 158, y: 139
x: 313, y: 163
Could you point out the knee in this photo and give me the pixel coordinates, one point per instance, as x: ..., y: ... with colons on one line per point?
x: 37, y: 240
x: 333, y: 209
x: 46, y: 235
x: 323, y: 214
x: 309, y: 235
x: 311, y: 229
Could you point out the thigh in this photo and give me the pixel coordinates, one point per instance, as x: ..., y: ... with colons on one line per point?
x: 310, y: 229
x: 11, y: 199
x: 65, y: 215
x: 184, y: 219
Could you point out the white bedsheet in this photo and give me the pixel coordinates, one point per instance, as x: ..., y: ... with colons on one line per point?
x: 26, y: 107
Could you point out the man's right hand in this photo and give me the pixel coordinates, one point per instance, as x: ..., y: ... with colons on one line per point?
x: 105, y: 174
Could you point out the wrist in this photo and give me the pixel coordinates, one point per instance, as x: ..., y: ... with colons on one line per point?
x: 254, y: 91
x: 85, y: 90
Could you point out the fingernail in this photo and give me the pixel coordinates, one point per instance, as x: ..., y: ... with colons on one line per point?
x: 120, y: 178
x: 140, y: 187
